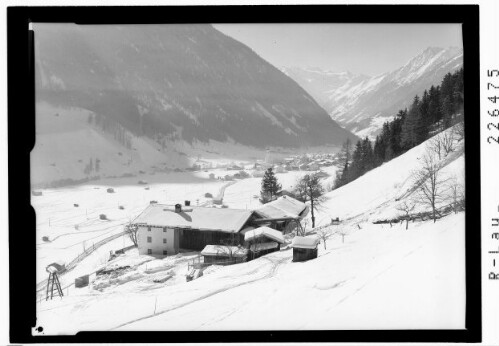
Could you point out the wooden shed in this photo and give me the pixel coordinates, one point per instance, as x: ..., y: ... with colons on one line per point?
x: 262, y: 240
x: 304, y: 248
x: 224, y: 255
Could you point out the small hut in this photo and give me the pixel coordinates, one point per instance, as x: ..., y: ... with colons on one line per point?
x: 304, y: 248
x: 262, y: 240
x: 224, y: 255
x: 60, y: 266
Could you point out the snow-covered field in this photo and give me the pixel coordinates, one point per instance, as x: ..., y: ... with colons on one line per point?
x: 377, y: 277
x: 71, y: 229
x: 380, y: 277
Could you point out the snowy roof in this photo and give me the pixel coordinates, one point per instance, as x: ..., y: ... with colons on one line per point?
x: 201, y: 218
x: 305, y: 242
x: 264, y: 231
x: 283, y: 207
x: 225, y: 251
x: 263, y: 246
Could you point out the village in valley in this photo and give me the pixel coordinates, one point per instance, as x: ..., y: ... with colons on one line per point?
x: 163, y: 207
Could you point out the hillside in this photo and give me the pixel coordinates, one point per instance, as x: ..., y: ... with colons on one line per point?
x: 379, y: 276
x: 177, y: 82
x: 361, y: 103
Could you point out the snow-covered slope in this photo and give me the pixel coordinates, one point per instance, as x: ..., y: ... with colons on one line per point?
x: 376, y: 194
x: 362, y: 103
x: 378, y: 277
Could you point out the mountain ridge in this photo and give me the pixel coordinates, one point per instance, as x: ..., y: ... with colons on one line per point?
x: 363, y: 103
x: 186, y: 82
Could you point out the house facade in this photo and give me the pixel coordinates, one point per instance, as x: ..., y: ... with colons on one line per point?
x: 166, y: 230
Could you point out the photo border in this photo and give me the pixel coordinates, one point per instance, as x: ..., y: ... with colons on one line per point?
x: 21, y: 139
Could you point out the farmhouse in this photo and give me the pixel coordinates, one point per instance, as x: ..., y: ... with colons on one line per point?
x: 164, y: 229
x: 281, y: 213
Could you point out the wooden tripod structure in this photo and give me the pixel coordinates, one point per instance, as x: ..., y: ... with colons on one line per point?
x: 53, y: 281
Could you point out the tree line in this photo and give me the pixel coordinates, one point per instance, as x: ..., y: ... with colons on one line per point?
x: 436, y: 110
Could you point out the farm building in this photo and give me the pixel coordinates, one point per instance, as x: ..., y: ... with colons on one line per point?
x: 224, y: 255
x: 283, y: 212
x: 262, y: 240
x: 304, y: 248
x: 165, y: 229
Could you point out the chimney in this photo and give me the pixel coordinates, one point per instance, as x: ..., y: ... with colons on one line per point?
x: 187, y: 203
x: 178, y: 208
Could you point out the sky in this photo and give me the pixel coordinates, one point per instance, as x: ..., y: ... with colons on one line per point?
x: 369, y: 49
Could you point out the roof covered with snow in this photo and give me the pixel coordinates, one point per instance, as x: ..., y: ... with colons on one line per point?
x: 225, y: 251
x: 264, y: 231
x: 283, y: 207
x: 201, y: 218
x: 310, y: 242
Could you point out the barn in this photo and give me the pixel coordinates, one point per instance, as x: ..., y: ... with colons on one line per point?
x: 281, y: 214
x: 165, y: 229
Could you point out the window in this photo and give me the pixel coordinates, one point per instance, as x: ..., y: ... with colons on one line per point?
x: 149, y: 251
x: 149, y: 239
x: 164, y: 240
x: 149, y: 229
x: 164, y: 252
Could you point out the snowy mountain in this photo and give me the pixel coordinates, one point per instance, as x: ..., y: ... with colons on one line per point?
x: 183, y: 82
x: 361, y: 103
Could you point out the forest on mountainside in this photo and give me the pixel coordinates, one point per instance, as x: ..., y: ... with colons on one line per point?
x: 439, y: 108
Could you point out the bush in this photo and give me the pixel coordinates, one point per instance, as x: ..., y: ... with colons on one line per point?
x: 103, y: 217
x: 208, y: 195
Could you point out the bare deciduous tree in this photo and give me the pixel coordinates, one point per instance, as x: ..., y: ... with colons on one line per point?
x: 309, y: 188
x: 229, y: 247
x: 442, y: 144
x: 131, y: 230
x: 459, y: 131
x: 324, y: 233
x: 456, y: 194
x: 406, y: 207
x: 343, y: 233
x: 430, y: 186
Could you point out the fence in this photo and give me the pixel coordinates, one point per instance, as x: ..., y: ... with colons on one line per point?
x: 440, y: 212
x: 71, y: 265
x: 197, y: 263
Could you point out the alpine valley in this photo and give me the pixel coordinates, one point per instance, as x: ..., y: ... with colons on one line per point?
x: 362, y: 103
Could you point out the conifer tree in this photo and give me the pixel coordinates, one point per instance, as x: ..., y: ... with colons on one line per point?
x: 270, y: 187
x: 411, y: 125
